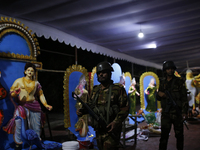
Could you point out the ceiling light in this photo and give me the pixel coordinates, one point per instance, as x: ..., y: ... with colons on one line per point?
x: 152, y: 46
x: 141, y: 34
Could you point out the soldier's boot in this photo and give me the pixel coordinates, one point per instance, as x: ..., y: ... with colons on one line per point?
x: 179, y: 144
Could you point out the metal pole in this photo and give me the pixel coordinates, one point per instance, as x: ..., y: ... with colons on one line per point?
x: 132, y: 71
x: 76, y: 61
x: 187, y: 64
x: 47, y: 117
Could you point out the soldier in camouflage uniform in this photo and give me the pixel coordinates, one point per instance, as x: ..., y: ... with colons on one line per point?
x: 109, y: 101
x: 176, y: 87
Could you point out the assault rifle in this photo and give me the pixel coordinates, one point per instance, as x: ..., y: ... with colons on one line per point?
x: 173, y: 103
x: 98, y: 118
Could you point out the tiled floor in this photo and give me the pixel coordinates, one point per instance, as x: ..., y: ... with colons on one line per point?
x: 192, y: 136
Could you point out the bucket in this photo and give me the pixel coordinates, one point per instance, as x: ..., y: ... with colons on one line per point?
x: 85, y: 144
x: 70, y: 145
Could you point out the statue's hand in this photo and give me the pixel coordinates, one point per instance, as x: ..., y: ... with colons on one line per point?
x: 17, y: 91
x: 49, y: 107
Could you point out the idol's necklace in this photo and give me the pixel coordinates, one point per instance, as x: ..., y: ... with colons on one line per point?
x: 31, y: 84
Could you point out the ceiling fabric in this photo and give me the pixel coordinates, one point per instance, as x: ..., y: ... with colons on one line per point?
x: 110, y: 27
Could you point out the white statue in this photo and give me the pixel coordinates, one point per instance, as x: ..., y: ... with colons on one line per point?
x: 191, y: 88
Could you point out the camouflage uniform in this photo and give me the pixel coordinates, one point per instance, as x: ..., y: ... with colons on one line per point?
x: 118, y: 111
x: 177, y: 89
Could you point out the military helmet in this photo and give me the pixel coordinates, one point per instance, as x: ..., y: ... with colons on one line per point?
x: 168, y: 64
x: 104, y: 66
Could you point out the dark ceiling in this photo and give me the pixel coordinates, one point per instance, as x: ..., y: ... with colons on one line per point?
x: 173, y: 25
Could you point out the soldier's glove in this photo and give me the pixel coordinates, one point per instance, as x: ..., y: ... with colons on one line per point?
x: 162, y: 94
x: 79, y: 112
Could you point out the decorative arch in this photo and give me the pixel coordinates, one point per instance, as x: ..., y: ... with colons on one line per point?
x: 143, y: 87
x: 73, y: 73
x: 128, y: 79
x: 12, y: 26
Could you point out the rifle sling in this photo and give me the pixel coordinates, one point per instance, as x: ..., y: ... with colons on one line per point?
x: 108, y: 105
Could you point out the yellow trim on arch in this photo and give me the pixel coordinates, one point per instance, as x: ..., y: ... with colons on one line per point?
x: 16, y: 56
x: 92, y: 78
x: 128, y: 74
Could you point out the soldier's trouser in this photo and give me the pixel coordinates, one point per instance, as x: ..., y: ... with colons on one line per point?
x: 106, y: 142
x: 166, y: 122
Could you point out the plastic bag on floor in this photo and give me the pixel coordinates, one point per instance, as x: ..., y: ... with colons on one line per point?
x: 143, y: 135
